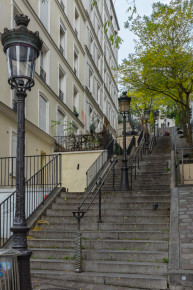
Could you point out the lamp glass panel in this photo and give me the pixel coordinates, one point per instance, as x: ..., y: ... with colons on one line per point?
x: 21, y: 62
x: 124, y: 106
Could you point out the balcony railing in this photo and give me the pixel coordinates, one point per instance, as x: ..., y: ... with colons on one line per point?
x: 61, y: 95
x: 42, y: 74
x: 87, y: 142
x: 75, y: 71
x: 61, y: 50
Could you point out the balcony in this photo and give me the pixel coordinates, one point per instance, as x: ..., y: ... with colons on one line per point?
x: 42, y: 74
x: 61, y: 95
x: 61, y: 50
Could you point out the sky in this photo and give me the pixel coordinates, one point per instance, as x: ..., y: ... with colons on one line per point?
x: 144, y: 7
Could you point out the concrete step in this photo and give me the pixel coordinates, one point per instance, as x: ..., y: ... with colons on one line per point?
x: 105, y: 226
x: 117, y: 199
x: 116, y: 212
x: 73, y: 285
x: 101, y: 266
x: 100, y: 244
x: 110, y: 205
x: 126, y: 280
x: 75, y: 195
x: 102, y: 235
x: 101, y: 255
x: 109, y: 219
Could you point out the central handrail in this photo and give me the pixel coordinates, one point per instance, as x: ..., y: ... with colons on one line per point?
x: 97, y: 167
x: 78, y: 214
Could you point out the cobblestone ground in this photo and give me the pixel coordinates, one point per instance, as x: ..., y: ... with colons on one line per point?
x: 186, y: 227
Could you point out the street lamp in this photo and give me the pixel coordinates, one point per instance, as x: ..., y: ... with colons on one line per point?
x: 155, y: 117
x: 124, y: 105
x: 146, y: 117
x: 22, y: 48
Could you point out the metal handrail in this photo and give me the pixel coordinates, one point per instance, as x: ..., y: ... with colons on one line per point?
x: 33, y: 163
x: 140, y: 138
x: 80, y: 213
x: 131, y: 145
x: 98, y: 165
x: 37, y: 189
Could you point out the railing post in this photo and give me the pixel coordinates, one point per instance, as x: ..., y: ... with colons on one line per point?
x: 78, y: 244
x: 100, y: 219
x: 182, y: 166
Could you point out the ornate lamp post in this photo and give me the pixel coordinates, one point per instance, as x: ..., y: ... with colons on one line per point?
x: 155, y: 117
x: 146, y: 117
x: 124, y: 105
x: 22, y: 48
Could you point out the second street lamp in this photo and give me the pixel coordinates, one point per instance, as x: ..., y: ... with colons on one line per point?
x: 155, y: 117
x: 146, y: 116
x: 22, y: 48
x: 124, y: 105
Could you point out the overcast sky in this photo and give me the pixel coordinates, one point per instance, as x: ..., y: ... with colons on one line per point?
x: 144, y: 7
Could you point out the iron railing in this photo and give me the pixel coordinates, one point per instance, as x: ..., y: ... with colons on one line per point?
x: 8, y: 168
x: 37, y: 189
x: 151, y: 143
x: 96, y: 168
x: 131, y: 145
x: 94, y: 141
x: 140, y: 138
x: 84, y: 207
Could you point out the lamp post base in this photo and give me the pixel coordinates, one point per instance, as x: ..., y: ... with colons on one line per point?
x: 23, y: 257
x: 124, y: 179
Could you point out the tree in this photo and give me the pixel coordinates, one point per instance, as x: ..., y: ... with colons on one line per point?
x: 163, y: 59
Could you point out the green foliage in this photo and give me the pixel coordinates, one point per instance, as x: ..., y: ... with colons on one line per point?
x: 160, y: 70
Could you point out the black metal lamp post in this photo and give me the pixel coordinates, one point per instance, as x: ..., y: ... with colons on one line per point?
x: 22, y: 48
x: 124, y: 105
x: 146, y: 117
x: 155, y: 117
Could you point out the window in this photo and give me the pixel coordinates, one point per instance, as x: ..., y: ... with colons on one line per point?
x: 98, y: 93
x: 90, y: 79
x: 44, y: 12
x: 91, y: 45
x: 43, y: 114
x: 77, y: 22
x: 61, y: 123
x: 75, y: 61
x: 75, y: 100
x: 62, y: 85
x: 62, y: 39
x: 44, y: 64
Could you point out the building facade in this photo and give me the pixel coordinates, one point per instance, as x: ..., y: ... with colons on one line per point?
x: 74, y: 81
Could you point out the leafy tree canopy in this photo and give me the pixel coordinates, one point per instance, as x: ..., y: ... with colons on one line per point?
x: 163, y: 59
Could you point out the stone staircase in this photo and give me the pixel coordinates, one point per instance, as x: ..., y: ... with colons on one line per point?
x: 128, y: 250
